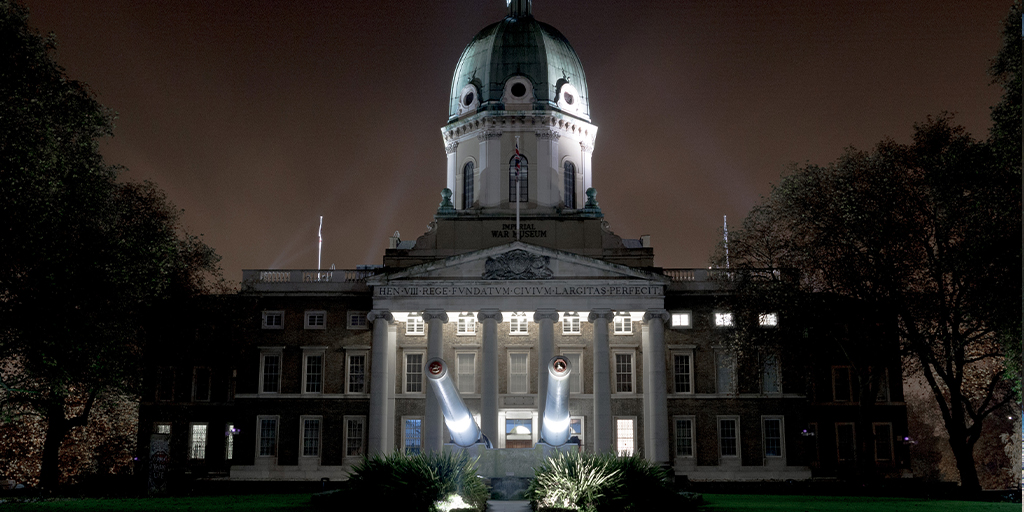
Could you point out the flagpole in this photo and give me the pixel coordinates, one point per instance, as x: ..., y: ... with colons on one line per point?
x: 517, y: 188
x: 320, y: 247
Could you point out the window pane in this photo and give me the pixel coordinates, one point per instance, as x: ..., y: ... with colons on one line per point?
x: 570, y: 185
x: 467, y: 373
x: 517, y: 167
x: 314, y: 374
x: 845, y: 446
x: 354, y: 438
x: 681, y: 368
x: 684, y: 438
x: 576, y: 377
x: 723, y: 319
x: 727, y: 437
x: 467, y: 186
x: 268, y: 437
x: 357, y: 374
x: 518, y: 373
x: 624, y: 437
x: 414, y: 373
x: 680, y: 319
x: 271, y: 373
x: 770, y: 382
x: 624, y: 373
x: 723, y: 372
x: 570, y: 325
x: 311, y: 437
x: 773, y: 438
x: 883, y: 442
x: 197, y: 442
x: 412, y: 436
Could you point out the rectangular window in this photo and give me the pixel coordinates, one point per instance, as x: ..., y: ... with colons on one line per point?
x: 314, y: 373
x: 197, y: 441
x: 310, y: 437
x: 354, y: 430
x: 772, y: 430
x: 681, y: 320
x: 414, y: 373
x: 412, y: 435
x: 466, y: 325
x: 846, y: 443
x: 271, y: 373
x: 571, y: 323
x: 273, y: 319
x: 466, y: 372
x: 518, y: 324
x: 768, y: 319
x: 576, y: 377
x: 883, y: 387
x: 682, y: 375
x: 316, y: 319
x: 728, y: 437
x: 725, y: 369
x: 883, y: 442
x: 771, y: 381
x: 841, y: 389
x: 518, y: 372
x: 576, y: 428
x: 162, y: 428
x: 414, y: 326
x: 684, y: 437
x: 165, y: 384
x: 268, y: 437
x: 623, y: 324
x: 357, y: 320
x: 201, y: 384
x: 623, y: 373
x: 625, y: 433
x: 357, y: 373
x: 229, y: 441
x: 723, y: 319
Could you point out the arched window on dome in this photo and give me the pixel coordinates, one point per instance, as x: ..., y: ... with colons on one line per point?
x: 570, y: 185
x: 524, y: 189
x: 467, y: 186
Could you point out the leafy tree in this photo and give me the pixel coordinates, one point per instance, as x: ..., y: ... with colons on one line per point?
x: 89, y: 267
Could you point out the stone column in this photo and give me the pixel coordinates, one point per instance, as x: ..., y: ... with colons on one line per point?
x: 602, y: 382
x: 433, y: 419
x: 545, y: 318
x: 655, y: 391
x: 380, y: 383
x: 489, y: 385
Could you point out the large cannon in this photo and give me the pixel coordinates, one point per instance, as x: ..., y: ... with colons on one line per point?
x: 555, y: 429
x: 463, y: 429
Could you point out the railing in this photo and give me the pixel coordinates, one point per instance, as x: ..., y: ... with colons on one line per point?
x: 690, y: 275
x: 306, y: 276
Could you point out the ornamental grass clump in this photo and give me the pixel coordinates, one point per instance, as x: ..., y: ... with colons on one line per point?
x: 414, y: 482
x: 574, y: 481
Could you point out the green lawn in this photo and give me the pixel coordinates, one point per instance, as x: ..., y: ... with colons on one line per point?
x: 754, y: 502
x: 254, y: 503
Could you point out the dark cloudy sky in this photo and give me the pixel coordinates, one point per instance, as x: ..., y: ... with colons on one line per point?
x: 259, y: 116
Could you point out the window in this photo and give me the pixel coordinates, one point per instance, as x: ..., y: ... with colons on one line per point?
x: 846, y: 443
x: 316, y: 319
x: 314, y: 373
x: 771, y: 381
x: 623, y: 373
x: 623, y: 324
x: 466, y: 325
x: 723, y: 319
x: 229, y: 441
x: 518, y: 433
x: 681, y: 373
x: 273, y: 319
x: 270, y: 373
x: 771, y: 429
x: 357, y: 320
x: 412, y: 436
x: 165, y: 384
x: 684, y: 437
x: 518, y: 324
x: 518, y: 372
x: 768, y: 320
x: 570, y: 185
x: 841, y: 389
x: 883, y: 387
x: 268, y: 436
x: 200, y: 384
x: 354, y: 430
x: 883, y: 442
x: 466, y: 372
x: 162, y: 428
x: 524, y: 188
x: 725, y: 371
x: 467, y: 186
x: 414, y: 372
x: 197, y: 441
x: 681, y: 320
x: 576, y: 377
x: 728, y: 436
x: 414, y: 326
x: 571, y: 323
x: 576, y: 428
x: 625, y: 432
x: 310, y: 437
x: 357, y: 373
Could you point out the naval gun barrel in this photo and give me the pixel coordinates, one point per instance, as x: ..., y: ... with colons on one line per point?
x: 463, y: 429
x: 555, y: 429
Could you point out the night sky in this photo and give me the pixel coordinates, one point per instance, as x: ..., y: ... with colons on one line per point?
x: 256, y: 117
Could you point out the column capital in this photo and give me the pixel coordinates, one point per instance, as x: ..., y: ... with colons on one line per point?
x: 652, y: 314
x: 435, y: 314
x: 604, y: 314
x: 489, y: 314
x: 380, y: 314
x: 545, y: 314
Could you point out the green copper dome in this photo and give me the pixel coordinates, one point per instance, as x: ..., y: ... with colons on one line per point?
x: 519, y: 46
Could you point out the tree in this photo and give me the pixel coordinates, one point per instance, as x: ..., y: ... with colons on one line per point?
x: 89, y: 266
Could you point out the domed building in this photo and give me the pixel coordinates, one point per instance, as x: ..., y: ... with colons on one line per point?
x: 518, y: 264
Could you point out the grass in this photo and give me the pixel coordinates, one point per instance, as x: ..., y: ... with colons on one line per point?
x: 767, y: 503
x: 250, y: 503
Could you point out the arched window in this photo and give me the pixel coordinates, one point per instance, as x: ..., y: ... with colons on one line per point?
x: 467, y: 186
x: 524, y: 189
x: 570, y: 185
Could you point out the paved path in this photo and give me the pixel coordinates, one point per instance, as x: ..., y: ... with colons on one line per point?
x: 508, y: 506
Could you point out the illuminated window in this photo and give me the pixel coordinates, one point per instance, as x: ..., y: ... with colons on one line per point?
x: 681, y: 320
x: 201, y: 384
x: 518, y: 372
x: 771, y: 428
x: 524, y: 188
x: 355, y: 428
x: 623, y: 325
x: 725, y: 371
x: 571, y: 323
x: 723, y: 319
x: 414, y: 372
x: 466, y: 372
x: 466, y: 325
x: 681, y: 373
x: 268, y: 436
x: 518, y: 324
x: 467, y: 186
x: 316, y: 319
x: 162, y: 428
x: 728, y: 436
x: 357, y: 373
x: 576, y: 377
x: 273, y: 319
x: 771, y: 380
x: 570, y: 185
x: 197, y: 441
x: 229, y: 441
x: 684, y: 437
x: 357, y: 320
x: 310, y: 437
x: 625, y: 433
x: 270, y: 373
x: 623, y: 373
x: 412, y: 435
x: 314, y: 373
x: 768, y: 319
x: 414, y: 326
x: 518, y: 433
x: 883, y: 442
